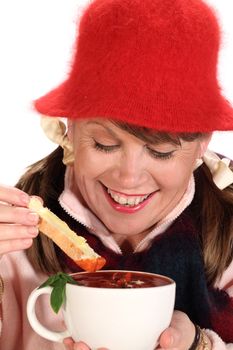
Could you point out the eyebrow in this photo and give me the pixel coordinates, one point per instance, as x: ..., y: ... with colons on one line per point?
x: 103, y: 126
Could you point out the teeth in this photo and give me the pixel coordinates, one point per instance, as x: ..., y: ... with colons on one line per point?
x: 137, y: 201
x: 121, y: 200
x: 128, y: 201
x: 132, y: 201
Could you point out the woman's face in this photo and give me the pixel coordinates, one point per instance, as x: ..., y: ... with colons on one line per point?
x: 128, y: 183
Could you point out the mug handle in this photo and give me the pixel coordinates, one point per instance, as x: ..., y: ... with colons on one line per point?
x: 33, y: 320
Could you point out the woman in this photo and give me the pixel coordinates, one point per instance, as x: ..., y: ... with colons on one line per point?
x: 132, y: 173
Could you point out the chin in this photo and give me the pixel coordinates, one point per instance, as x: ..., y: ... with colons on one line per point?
x: 123, y: 229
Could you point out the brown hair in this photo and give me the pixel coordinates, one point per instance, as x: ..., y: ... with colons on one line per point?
x: 45, y: 179
x: 213, y: 213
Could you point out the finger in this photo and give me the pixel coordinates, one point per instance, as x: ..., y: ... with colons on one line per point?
x: 81, y: 346
x: 184, y: 329
x: 18, y: 215
x: 12, y: 195
x: 177, y: 316
x: 69, y: 343
x: 9, y: 232
x: 14, y: 245
x: 40, y: 199
x: 169, y: 338
x: 180, y: 334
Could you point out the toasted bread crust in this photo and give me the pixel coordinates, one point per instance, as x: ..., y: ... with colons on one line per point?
x: 60, y: 239
x: 91, y: 265
x: 52, y: 227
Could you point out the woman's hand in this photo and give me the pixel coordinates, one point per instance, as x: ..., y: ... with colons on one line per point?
x: 179, y: 335
x: 18, y: 225
x: 71, y: 345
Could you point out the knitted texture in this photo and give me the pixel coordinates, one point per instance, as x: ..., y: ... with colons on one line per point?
x: 152, y: 63
x: 222, y: 315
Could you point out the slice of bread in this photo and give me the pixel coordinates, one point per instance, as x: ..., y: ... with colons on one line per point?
x: 73, y: 245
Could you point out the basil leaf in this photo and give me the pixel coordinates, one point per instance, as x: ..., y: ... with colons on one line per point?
x: 49, y: 281
x: 58, y: 283
x: 58, y: 296
x: 69, y: 279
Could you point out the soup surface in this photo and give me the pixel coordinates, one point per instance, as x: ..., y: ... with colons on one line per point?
x: 119, y: 279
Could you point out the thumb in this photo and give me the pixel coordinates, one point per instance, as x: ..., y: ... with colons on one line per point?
x: 170, y: 338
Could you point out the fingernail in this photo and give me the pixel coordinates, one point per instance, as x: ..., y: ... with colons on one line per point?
x: 171, y: 340
x: 33, y: 231
x: 33, y: 218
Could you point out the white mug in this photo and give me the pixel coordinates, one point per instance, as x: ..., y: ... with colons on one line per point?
x: 115, y: 318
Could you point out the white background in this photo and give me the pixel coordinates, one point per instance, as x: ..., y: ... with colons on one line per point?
x: 36, y: 40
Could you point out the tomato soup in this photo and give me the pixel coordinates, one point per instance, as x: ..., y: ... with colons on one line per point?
x: 120, y: 279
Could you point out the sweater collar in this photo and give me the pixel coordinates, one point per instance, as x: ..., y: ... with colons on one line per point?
x: 72, y: 205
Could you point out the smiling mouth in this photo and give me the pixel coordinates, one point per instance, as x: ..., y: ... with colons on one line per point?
x: 128, y: 201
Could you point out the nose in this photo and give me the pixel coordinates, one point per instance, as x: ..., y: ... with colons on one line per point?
x: 131, y: 170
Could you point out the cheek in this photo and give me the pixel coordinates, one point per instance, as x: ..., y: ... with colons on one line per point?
x: 88, y: 165
x: 174, y: 176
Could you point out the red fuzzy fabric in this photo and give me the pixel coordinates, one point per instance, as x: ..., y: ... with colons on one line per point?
x: 151, y: 63
x: 222, y: 318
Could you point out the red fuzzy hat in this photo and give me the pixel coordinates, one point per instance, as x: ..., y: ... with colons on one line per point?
x: 152, y: 63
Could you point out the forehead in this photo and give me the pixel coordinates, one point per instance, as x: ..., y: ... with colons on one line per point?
x: 117, y: 129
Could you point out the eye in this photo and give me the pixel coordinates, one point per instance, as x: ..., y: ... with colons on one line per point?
x: 160, y: 155
x: 105, y: 148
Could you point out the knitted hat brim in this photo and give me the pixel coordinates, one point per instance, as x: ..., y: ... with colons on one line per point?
x: 56, y: 103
